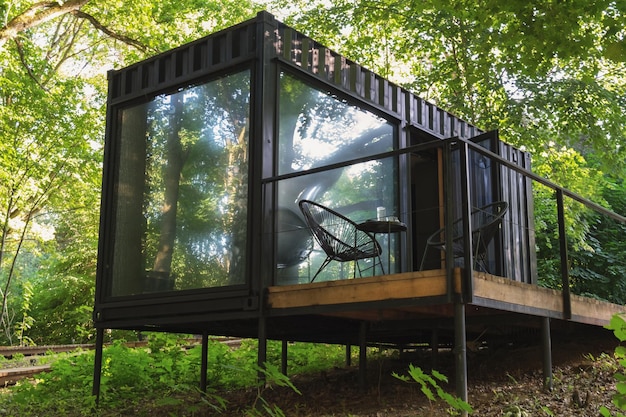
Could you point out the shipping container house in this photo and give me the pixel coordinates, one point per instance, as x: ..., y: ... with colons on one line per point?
x: 229, y: 164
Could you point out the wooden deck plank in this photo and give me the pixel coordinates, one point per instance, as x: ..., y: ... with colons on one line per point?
x: 488, y: 290
x: 596, y: 312
x: 512, y: 292
x: 584, y: 310
x: 386, y: 287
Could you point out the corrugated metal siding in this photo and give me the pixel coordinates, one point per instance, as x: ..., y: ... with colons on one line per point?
x: 322, y: 62
x: 184, y: 64
x: 238, y: 43
x: 513, y: 254
x: 518, y: 236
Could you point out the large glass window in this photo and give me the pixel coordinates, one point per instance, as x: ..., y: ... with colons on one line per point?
x: 182, y: 190
x: 318, y: 129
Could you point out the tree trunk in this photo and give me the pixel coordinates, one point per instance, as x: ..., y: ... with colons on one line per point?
x: 171, y: 176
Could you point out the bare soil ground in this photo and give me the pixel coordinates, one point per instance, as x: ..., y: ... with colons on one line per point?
x: 502, y: 382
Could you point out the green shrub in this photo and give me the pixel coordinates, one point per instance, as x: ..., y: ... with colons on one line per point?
x: 165, y: 374
x: 618, y: 325
x: 431, y: 388
x: 130, y: 378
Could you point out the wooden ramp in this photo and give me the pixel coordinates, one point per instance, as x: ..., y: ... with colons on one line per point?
x: 419, y: 295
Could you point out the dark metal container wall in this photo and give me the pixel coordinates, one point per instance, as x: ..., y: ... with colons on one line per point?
x: 513, y: 253
x: 295, y: 48
x: 188, y: 65
x: 518, y: 232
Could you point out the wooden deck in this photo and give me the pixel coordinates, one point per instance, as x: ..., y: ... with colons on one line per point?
x: 418, y: 295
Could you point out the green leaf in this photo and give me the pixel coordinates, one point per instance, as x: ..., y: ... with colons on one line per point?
x: 618, y: 325
x: 439, y: 376
x: 428, y: 393
x: 402, y: 378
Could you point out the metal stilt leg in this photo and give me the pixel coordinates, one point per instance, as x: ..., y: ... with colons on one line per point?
x: 97, y: 367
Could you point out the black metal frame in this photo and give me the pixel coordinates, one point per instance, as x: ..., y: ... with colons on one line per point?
x: 189, y: 65
x: 322, y: 78
x: 267, y: 47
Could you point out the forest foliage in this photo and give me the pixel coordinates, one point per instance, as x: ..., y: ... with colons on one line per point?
x: 163, y: 378
x: 549, y: 75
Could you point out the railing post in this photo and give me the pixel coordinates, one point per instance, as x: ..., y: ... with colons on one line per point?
x: 467, y: 289
x: 204, y: 361
x: 448, y: 217
x: 567, y: 304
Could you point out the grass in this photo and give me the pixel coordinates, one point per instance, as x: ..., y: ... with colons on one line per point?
x: 162, y: 381
x: 164, y: 375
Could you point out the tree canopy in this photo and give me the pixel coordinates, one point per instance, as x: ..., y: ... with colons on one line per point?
x: 540, y: 72
x: 53, y: 61
x: 549, y: 75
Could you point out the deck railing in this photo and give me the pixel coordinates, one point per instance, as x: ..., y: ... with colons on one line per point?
x: 461, y: 175
x: 560, y: 195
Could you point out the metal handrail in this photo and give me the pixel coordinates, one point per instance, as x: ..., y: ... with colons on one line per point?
x: 590, y: 204
x: 560, y: 192
x: 464, y: 146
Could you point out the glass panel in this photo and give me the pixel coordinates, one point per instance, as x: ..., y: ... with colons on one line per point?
x: 317, y: 129
x: 181, y: 214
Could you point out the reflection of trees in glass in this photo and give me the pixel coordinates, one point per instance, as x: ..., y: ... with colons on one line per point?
x: 363, y: 187
x: 356, y: 192
x: 318, y: 129
x: 195, y: 201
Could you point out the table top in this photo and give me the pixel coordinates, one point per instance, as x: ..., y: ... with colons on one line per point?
x: 382, y: 226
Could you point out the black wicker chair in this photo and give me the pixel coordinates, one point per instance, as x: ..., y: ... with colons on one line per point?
x: 339, y: 237
x: 485, y: 225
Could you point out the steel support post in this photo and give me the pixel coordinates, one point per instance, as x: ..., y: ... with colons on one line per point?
x: 434, y: 348
x: 348, y: 354
x: 283, y: 357
x: 204, y: 363
x: 262, y: 350
x: 363, y: 355
x: 97, y: 367
x: 546, y: 340
x: 460, y: 352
